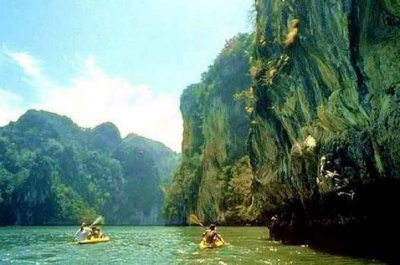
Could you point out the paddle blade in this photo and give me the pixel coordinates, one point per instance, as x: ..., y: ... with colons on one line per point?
x: 195, y: 220
x: 99, y: 220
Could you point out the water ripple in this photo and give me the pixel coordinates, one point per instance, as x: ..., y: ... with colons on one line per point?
x: 155, y: 245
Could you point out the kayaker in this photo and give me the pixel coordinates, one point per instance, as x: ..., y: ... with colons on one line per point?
x: 96, y: 233
x: 83, y: 232
x: 211, y: 234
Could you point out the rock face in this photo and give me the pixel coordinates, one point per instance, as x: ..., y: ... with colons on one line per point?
x: 214, y: 179
x: 323, y: 141
x: 321, y: 160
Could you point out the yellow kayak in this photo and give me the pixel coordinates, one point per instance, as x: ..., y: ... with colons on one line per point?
x: 217, y: 244
x: 95, y: 240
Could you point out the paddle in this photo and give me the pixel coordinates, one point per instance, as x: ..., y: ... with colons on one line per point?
x: 99, y: 219
x: 194, y: 219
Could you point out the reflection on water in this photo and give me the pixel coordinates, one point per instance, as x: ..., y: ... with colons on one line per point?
x: 155, y: 245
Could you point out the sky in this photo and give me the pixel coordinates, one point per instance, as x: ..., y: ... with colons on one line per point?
x: 123, y: 61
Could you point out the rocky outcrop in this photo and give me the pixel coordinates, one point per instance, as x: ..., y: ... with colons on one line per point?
x: 320, y: 163
x: 323, y: 141
x: 214, y: 179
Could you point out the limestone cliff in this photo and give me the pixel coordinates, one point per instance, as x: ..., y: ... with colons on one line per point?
x: 214, y: 177
x: 323, y: 140
x: 321, y: 160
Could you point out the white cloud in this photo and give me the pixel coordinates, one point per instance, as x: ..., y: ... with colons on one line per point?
x: 27, y: 62
x: 10, y: 107
x: 94, y: 97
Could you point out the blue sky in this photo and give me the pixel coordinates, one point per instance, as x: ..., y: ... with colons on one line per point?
x: 121, y: 61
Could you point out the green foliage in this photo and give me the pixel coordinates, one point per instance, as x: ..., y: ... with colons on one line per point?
x: 53, y: 172
x: 321, y: 124
x: 165, y: 157
x: 324, y: 110
x: 182, y: 194
x: 238, y: 192
x: 214, y: 137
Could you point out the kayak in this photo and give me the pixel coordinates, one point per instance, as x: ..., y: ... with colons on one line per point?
x: 217, y: 244
x: 95, y: 240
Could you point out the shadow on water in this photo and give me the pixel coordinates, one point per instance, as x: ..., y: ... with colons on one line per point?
x: 374, y: 229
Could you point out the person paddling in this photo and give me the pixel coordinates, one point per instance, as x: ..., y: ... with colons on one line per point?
x: 83, y: 232
x: 211, y: 235
x: 96, y: 233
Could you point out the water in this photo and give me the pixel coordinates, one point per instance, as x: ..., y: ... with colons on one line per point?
x: 155, y: 245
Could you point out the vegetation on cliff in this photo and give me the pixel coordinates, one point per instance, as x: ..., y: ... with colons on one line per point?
x: 214, y: 165
x: 321, y: 161
x: 53, y: 172
x: 323, y: 139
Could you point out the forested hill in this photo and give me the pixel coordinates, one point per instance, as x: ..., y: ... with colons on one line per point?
x: 54, y: 172
x: 316, y: 158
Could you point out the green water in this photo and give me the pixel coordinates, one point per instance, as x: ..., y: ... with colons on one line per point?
x: 155, y: 245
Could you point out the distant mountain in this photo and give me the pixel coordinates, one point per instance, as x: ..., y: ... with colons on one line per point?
x: 54, y: 172
x: 167, y: 159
